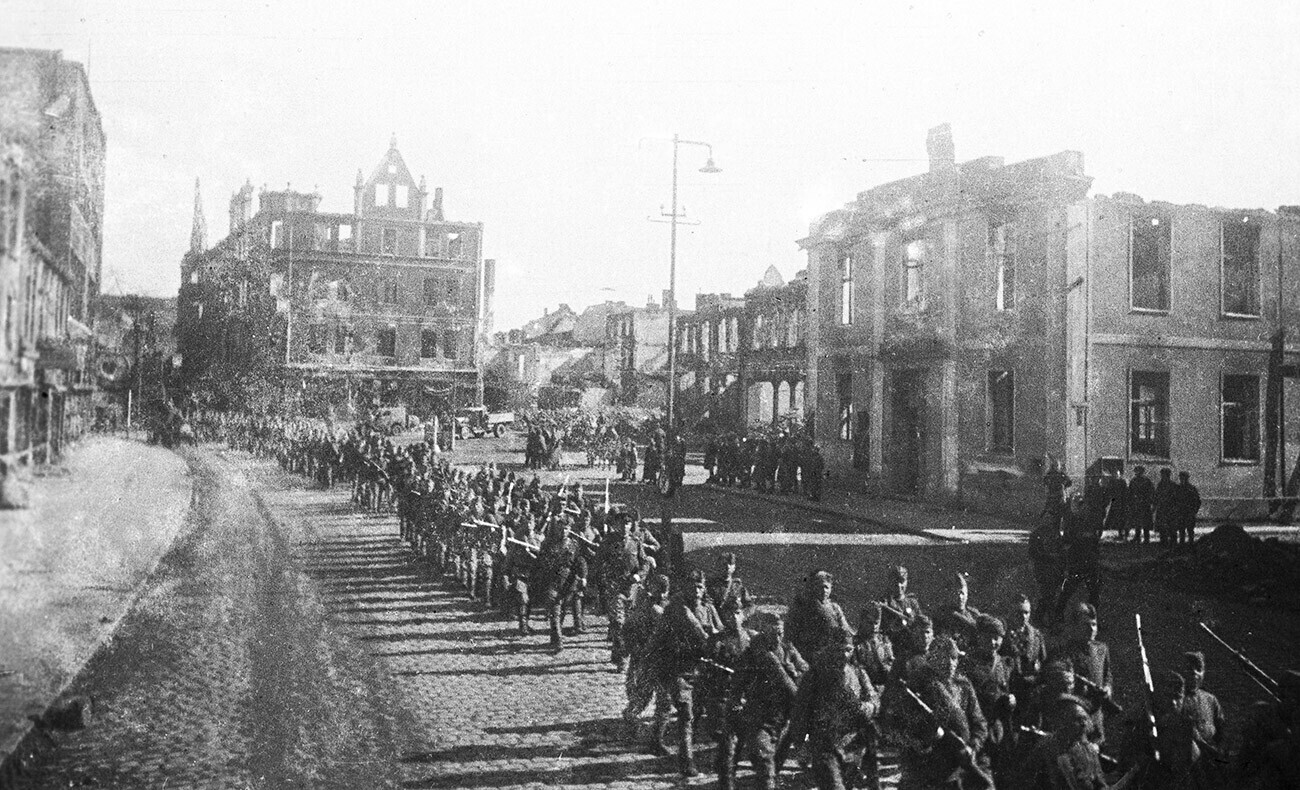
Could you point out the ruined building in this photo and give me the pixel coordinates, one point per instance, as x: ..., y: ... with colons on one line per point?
x: 337, y: 313
x: 974, y: 323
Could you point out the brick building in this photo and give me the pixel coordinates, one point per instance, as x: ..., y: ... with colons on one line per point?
x: 382, y: 305
x: 974, y: 321
x: 52, y: 148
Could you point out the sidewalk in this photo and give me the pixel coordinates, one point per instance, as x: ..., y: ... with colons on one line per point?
x: 928, y: 521
x: 71, y: 565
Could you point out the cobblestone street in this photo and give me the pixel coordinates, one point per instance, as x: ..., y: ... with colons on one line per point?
x: 290, y: 641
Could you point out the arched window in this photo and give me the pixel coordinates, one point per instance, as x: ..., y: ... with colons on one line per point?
x: 798, y: 400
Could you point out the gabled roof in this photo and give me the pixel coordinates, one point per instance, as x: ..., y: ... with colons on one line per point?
x: 392, y: 159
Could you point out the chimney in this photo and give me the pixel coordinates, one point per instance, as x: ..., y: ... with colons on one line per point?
x: 437, y: 204
x: 940, y: 149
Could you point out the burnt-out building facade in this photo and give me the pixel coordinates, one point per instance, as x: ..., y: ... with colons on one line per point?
x: 709, y: 350
x: 379, y: 306
x: 979, y: 321
x: 52, y: 159
x: 773, y: 367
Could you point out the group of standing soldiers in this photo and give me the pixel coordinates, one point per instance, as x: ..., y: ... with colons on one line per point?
x: 1136, y: 506
x: 784, y: 464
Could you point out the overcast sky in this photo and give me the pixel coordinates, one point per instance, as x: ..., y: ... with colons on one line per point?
x: 549, y: 122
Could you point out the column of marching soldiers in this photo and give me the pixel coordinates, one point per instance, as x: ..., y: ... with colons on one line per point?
x: 960, y: 699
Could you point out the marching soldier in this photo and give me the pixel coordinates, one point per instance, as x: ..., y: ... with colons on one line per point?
x: 899, y: 608
x: 813, y: 617
x: 681, y: 640
x: 767, y: 683
x: 1090, y: 659
x: 958, y: 621
x: 835, y: 706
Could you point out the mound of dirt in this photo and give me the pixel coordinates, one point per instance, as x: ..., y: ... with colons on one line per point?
x: 1229, y: 561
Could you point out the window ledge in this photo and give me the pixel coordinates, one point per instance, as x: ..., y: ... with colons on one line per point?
x: 1149, y: 310
x: 1240, y: 317
x: 1238, y: 462
x: 1148, y: 458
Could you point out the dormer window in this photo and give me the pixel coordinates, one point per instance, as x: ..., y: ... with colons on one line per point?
x: 383, y: 195
x: 392, y: 169
x: 401, y: 195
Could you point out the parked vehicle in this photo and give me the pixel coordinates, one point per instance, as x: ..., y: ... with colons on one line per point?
x: 394, y: 419
x: 477, y: 421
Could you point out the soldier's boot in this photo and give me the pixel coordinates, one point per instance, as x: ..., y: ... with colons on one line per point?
x: 686, y: 749
x: 579, y: 627
x: 659, y: 735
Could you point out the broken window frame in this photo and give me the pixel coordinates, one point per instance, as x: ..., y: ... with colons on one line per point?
x: 386, y: 342
x: 846, y: 288
x: 385, y: 247
x: 1001, y: 416
x: 1002, y: 252
x: 1248, y: 267
x: 429, y: 344
x: 1158, y: 269
x: 1149, y: 424
x: 844, y: 390
x: 1239, y: 417
x: 914, y: 253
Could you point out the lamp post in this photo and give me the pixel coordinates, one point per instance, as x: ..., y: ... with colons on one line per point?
x: 709, y: 167
x: 676, y: 546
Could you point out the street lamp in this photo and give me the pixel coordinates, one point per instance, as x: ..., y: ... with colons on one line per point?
x: 709, y: 167
x: 676, y: 547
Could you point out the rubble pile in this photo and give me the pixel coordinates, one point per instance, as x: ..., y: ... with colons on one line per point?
x: 1229, y: 561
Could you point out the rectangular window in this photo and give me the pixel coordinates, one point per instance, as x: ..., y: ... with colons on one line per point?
x: 401, y: 196
x: 1002, y: 411
x: 1002, y: 251
x: 386, y: 342
x: 1240, y: 417
x: 1149, y: 413
x: 914, y: 274
x: 388, y: 290
x: 454, y: 245
x: 846, y: 289
x: 345, y: 233
x: 316, y: 338
x: 452, y: 289
x: 381, y: 195
x: 389, y: 246
x: 429, y: 344
x: 277, y: 234
x: 1240, y: 273
x: 1149, y: 250
x: 340, y: 340
x: 451, y: 344
x: 431, y: 290
x: 432, y: 243
x: 844, y: 387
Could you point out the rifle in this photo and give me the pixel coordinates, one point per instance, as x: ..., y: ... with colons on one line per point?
x: 1151, y: 691
x: 955, y: 748
x: 606, y: 495
x: 1097, y: 696
x: 1261, y: 678
x: 583, y: 538
x: 722, y: 667
x: 884, y: 607
x: 1108, y: 763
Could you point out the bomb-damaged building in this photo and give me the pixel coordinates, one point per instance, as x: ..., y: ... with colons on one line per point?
x: 337, y: 313
x: 976, y: 323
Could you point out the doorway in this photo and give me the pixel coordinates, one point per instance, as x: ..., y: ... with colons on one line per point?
x: 907, y: 459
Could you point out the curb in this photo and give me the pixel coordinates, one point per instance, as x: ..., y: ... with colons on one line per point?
x: 829, y: 510
x: 34, y: 741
